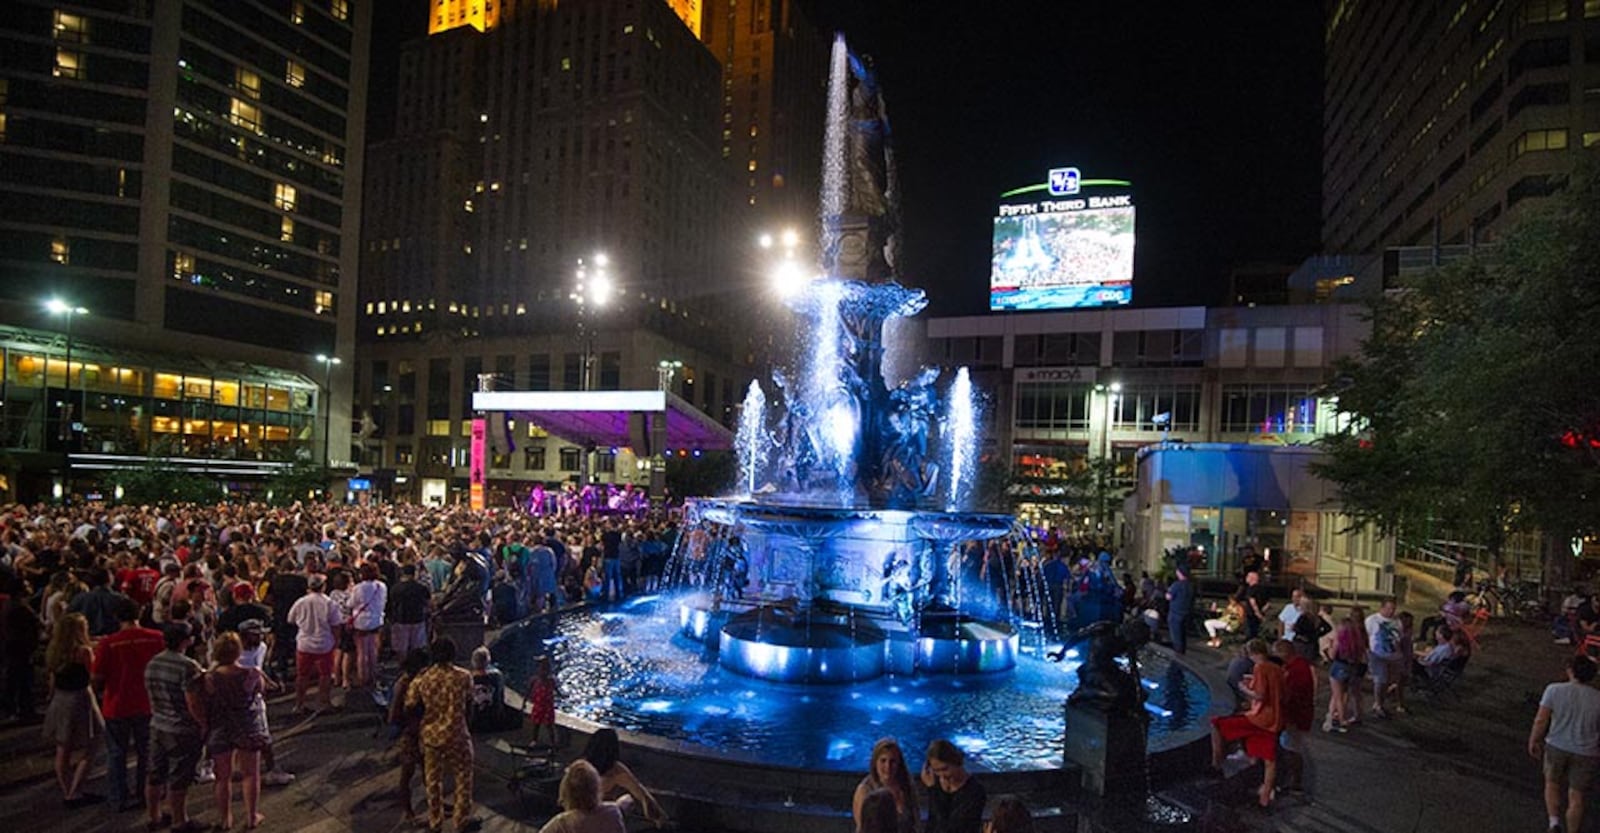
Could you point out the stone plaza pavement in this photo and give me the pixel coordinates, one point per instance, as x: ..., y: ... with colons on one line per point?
x: 1447, y: 766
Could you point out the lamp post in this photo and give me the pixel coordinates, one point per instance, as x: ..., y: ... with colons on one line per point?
x: 70, y: 410
x: 592, y: 289
x: 1109, y: 394
x: 665, y: 370
x: 328, y: 363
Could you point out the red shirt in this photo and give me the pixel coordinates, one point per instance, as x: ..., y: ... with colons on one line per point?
x: 120, y: 659
x: 1299, y: 690
x: 139, y: 584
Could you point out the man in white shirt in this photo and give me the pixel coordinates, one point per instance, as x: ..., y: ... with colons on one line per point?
x: 1385, y: 657
x: 318, y: 619
x: 1566, y: 737
x: 1290, y: 614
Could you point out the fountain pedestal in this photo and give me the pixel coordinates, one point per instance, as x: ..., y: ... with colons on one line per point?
x: 1108, y: 747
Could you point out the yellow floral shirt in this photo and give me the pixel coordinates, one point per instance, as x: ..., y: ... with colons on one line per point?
x: 443, y: 692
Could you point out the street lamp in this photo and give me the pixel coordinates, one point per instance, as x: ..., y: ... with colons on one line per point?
x: 327, y: 363
x: 1109, y: 393
x: 665, y: 370
x: 788, y: 276
x: 592, y: 289
x: 69, y: 410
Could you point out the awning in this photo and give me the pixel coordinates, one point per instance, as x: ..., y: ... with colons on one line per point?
x: 611, y: 418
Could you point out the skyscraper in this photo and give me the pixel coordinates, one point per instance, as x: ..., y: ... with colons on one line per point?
x: 188, y: 171
x: 532, y: 135
x: 1443, y: 120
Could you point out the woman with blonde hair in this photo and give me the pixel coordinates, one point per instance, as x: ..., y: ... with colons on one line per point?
x: 72, y: 721
x: 887, y: 772
x: 582, y: 811
x: 235, y: 724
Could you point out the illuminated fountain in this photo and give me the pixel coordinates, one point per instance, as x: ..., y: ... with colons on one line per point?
x: 838, y: 595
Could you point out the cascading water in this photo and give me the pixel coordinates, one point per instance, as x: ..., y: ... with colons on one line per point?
x: 751, y: 439
x: 961, y: 438
x: 834, y: 161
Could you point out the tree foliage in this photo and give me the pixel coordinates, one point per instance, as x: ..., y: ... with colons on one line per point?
x: 1473, y: 404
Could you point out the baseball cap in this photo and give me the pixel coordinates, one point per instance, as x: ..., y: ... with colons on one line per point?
x: 243, y: 592
x: 252, y: 626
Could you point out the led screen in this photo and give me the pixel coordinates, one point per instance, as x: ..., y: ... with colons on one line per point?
x: 1062, y: 259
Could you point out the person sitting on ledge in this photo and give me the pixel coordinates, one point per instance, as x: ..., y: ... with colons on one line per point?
x: 1257, y: 728
x: 604, y: 751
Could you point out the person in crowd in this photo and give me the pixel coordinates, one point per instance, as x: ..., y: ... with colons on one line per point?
x: 542, y: 692
x: 1226, y: 621
x: 955, y: 798
x: 1349, y: 653
x: 316, y: 619
x: 369, y: 599
x: 603, y: 752
x: 409, y: 606
x: 407, y: 725
x: 1299, y: 713
x: 876, y: 812
x: 582, y: 810
x: 443, y: 691
x: 252, y: 635
x: 1309, y: 628
x: 177, y: 742
x: 1257, y: 729
x: 1253, y: 599
x: 241, y: 606
x: 1180, y: 608
x: 486, y: 712
x: 72, y: 721
x: 1387, y: 655
x: 99, y: 605
x: 1009, y: 815
x: 1566, y: 739
x: 20, y: 632
x: 344, y: 651
x: 119, y: 664
x: 1447, y: 646
x: 1290, y: 613
x: 235, y: 725
x: 887, y: 773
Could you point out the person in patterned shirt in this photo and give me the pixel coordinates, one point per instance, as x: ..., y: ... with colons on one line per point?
x: 444, y: 691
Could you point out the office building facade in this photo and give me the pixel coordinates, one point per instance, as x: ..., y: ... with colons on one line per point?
x: 187, y: 172
x: 1445, y: 120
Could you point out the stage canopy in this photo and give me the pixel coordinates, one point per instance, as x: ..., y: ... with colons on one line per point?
x: 613, y: 418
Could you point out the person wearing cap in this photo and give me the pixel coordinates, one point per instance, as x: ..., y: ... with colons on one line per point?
x: 241, y: 606
x: 317, y: 619
x: 253, y: 654
x: 172, y: 681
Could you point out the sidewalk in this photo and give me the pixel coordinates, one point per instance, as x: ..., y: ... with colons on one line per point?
x: 1448, y: 765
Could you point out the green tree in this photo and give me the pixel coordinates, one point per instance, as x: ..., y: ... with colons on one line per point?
x: 1472, y: 405
x: 159, y: 481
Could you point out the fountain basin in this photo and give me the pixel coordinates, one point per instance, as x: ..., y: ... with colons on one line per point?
x: 966, y: 646
x: 809, y: 648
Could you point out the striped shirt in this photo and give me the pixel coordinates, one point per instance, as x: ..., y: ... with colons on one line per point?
x: 168, y: 678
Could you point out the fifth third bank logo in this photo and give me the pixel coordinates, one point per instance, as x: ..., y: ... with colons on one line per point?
x: 1063, y: 181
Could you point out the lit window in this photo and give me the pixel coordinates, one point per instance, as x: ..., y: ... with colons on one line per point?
x: 340, y: 9
x: 2, y: 127
x: 628, y: 29
x: 294, y: 74
x: 283, y: 196
x: 323, y: 301
x: 383, y: 307
x: 244, y: 114
x: 286, y: 230
x: 405, y: 306
x: 1589, y: 139
x: 182, y: 265
x: 753, y: 130
x: 69, y: 64
x: 60, y: 250
x: 1536, y: 140
x: 72, y: 28
x: 566, y: 64
x: 248, y: 82
x: 369, y: 307
x: 467, y: 206
x: 297, y: 12
x: 752, y: 165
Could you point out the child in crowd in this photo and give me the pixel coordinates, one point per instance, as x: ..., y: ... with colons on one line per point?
x: 542, y: 691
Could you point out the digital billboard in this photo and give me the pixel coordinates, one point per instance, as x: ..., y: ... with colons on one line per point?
x: 1069, y: 247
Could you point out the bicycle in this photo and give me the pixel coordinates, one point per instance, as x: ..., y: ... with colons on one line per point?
x: 1521, y: 600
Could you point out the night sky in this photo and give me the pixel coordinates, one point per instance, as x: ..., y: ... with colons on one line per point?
x: 1213, y: 110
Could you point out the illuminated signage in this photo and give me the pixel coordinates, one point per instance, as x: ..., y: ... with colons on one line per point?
x: 475, y: 495
x: 1065, y: 248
